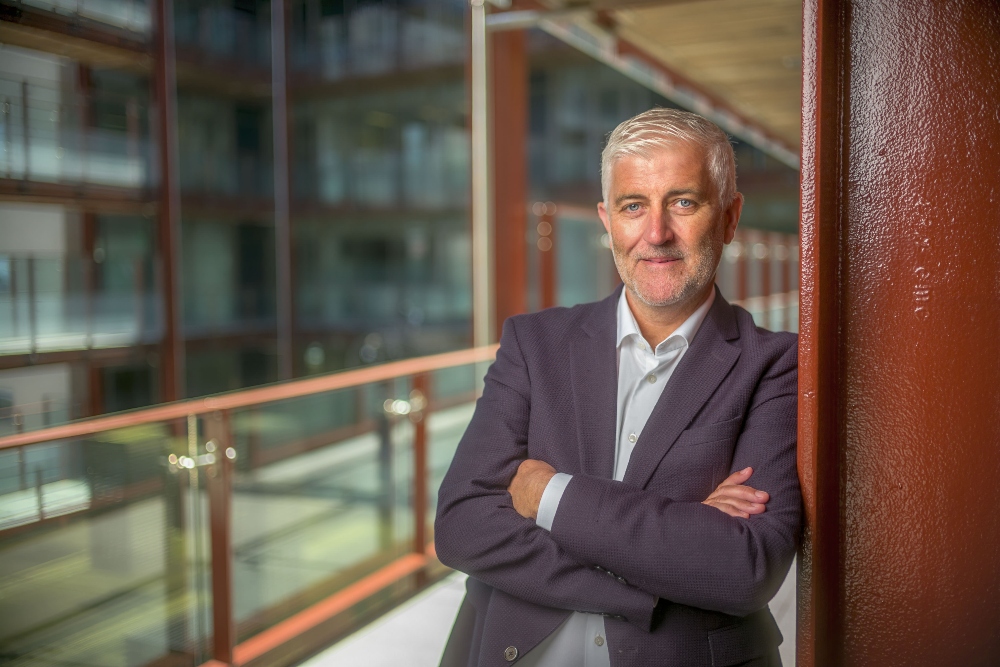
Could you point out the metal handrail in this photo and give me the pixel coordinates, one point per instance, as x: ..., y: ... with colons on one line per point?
x: 249, y: 397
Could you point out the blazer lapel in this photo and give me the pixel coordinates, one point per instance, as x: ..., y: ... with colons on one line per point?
x: 594, y: 377
x: 704, y: 366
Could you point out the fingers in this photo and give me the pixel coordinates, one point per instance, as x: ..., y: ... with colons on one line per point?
x: 736, y: 499
x: 739, y: 492
x: 738, y: 477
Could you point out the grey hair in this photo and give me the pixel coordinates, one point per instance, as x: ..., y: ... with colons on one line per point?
x: 657, y: 128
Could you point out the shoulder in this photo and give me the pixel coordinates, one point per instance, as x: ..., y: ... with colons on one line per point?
x: 549, y: 326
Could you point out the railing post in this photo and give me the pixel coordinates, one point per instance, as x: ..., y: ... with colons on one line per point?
x: 219, y: 484
x: 32, y: 306
x: 25, y: 126
x: 6, y: 137
x: 546, y: 229
x: 421, y: 396
x: 15, y: 329
x: 39, y: 493
x: 22, y: 460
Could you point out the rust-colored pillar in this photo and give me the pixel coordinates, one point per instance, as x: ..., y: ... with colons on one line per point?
x: 169, y: 227
x: 509, y: 115
x: 899, y: 359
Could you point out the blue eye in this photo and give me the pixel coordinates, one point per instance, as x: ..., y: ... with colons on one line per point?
x: 632, y: 207
x: 685, y: 203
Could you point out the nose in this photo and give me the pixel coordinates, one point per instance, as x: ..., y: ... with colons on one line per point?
x: 658, y: 229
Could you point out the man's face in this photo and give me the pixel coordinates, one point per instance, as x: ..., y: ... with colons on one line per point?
x: 666, y: 224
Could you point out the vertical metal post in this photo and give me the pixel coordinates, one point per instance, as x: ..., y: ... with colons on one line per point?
x: 132, y: 141
x: 86, y: 118
x: 89, y: 274
x: 421, y: 392
x: 25, y: 128
x: 15, y: 329
x: 825, y: 58
x: 387, y: 498
x: 282, y: 215
x: 39, y: 493
x: 22, y: 459
x: 482, y: 224
x: 32, y: 306
x: 220, y: 475
x: 172, y: 363
x: 139, y: 279
x: 6, y: 137
x: 547, y: 260
x: 508, y: 99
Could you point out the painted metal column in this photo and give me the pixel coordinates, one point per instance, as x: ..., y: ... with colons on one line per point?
x: 482, y: 223
x: 169, y: 232
x: 509, y: 165
x: 282, y: 214
x: 899, y: 419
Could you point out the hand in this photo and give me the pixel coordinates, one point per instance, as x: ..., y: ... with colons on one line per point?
x: 528, y: 485
x: 737, y: 500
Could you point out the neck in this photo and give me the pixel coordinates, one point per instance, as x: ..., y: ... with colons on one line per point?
x: 656, y: 323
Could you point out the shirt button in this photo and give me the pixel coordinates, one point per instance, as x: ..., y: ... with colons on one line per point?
x: 651, y: 378
x: 510, y: 654
x: 632, y: 437
x: 599, y: 640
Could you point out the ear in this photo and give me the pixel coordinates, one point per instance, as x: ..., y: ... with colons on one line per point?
x: 731, y: 218
x: 602, y: 212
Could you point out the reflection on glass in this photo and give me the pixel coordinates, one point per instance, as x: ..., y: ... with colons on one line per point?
x: 104, y: 551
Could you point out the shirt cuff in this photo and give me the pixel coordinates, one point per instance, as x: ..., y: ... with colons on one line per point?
x: 550, y: 499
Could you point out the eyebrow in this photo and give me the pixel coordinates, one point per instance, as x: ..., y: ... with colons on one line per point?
x: 621, y: 199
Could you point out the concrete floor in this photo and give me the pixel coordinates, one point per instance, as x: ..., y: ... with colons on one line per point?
x: 415, y: 633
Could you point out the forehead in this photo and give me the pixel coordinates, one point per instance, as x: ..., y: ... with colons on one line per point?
x: 670, y: 166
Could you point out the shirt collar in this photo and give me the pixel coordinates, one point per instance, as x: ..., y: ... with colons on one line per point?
x: 627, y: 325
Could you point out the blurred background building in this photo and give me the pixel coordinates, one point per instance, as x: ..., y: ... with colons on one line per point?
x: 203, y: 196
x: 131, y: 274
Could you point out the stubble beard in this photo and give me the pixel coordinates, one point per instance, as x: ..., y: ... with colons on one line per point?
x: 701, y: 274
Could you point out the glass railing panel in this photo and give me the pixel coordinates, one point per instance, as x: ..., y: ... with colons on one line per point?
x: 104, y: 551
x: 320, y: 498
x: 134, y: 545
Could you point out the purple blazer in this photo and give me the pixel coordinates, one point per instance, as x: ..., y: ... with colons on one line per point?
x: 679, y: 582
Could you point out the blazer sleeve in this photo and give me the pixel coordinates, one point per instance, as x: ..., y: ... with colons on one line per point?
x: 477, y: 529
x: 688, y: 552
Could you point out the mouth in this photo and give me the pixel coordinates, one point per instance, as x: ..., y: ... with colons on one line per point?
x: 660, y: 261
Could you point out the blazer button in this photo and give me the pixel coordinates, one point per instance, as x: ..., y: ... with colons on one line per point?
x: 510, y: 654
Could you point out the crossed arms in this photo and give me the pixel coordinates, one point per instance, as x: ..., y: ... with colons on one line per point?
x: 685, y: 552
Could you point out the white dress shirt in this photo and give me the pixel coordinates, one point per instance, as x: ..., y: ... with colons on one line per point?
x: 642, y: 375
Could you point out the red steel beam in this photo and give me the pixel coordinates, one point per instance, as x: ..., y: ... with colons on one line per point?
x: 509, y: 117
x: 165, y: 93
x: 825, y: 58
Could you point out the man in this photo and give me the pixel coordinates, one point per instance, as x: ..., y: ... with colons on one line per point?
x: 598, y: 498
